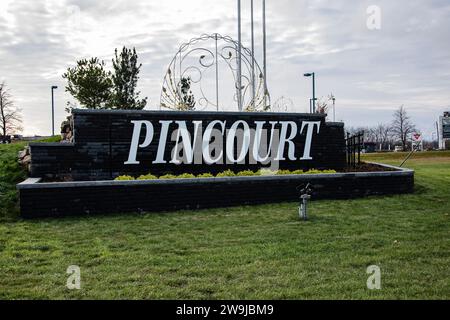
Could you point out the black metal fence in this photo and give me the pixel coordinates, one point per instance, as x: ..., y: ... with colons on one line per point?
x: 354, y: 144
x: 5, y: 139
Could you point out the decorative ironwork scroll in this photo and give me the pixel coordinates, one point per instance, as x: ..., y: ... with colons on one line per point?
x: 283, y: 104
x: 197, y: 76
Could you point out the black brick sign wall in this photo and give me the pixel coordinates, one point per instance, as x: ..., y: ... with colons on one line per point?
x: 77, y: 198
x: 103, y: 138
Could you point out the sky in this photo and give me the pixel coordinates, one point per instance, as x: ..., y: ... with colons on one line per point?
x: 372, y: 55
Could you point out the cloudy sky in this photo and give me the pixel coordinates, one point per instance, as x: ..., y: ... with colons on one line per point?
x: 370, y: 71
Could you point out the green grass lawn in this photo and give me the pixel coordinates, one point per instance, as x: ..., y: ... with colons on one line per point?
x: 253, y: 252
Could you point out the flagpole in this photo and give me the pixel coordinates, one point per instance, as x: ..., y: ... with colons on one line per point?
x: 264, y: 53
x: 239, y: 98
x: 253, y: 57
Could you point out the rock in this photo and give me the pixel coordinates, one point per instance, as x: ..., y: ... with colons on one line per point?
x: 25, y: 158
x: 23, y: 153
x: 67, y: 130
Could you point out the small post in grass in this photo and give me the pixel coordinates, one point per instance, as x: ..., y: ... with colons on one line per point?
x: 305, y: 195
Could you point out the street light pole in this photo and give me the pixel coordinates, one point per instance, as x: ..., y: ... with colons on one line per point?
x: 313, y: 88
x: 53, y: 110
x: 334, y: 109
x: 314, y: 91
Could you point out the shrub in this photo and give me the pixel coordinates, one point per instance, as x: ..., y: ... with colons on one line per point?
x: 246, y: 173
x: 11, y: 173
x: 265, y: 172
x: 226, y: 173
x: 186, y: 176
x: 283, y: 172
x: 147, y: 177
x: 315, y: 171
x: 168, y: 176
x: 124, y: 178
x: 205, y: 175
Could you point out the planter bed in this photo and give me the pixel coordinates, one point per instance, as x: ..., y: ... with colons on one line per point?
x: 43, y: 199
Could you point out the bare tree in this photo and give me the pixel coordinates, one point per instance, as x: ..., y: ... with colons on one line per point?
x: 402, y: 126
x: 322, y: 105
x: 381, y: 134
x: 10, y: 116
x: 368, y: 137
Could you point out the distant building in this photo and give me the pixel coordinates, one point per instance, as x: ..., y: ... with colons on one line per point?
x: 444, y: 130
x: 17, y: 137
x: 369, y: 147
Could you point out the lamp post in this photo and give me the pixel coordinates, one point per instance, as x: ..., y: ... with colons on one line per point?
x: 334, y: 108
x: 53, y: 110
x: 313, y: 75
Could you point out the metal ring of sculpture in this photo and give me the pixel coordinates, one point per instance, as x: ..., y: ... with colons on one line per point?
x: 182, y: 78
x: 283, y: 104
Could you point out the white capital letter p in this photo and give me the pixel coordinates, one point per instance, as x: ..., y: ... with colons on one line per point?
x: 135, y: 140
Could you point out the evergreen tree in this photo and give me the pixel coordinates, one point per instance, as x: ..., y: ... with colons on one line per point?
x: 187, y: 97
x: 90, y: 84
x: 125, y: 77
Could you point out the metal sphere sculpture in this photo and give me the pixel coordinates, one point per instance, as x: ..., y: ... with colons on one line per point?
x: 283, y: 104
